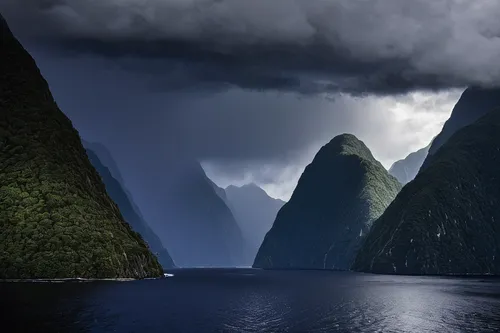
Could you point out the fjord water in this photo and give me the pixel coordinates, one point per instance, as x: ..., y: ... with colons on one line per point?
x: 250, y: 300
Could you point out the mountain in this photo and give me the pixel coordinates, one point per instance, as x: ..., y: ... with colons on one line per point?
x: 129, y: 210
x: 473, y: 104
x: 105, y: 157
x: 406, y: 169
x: 219, y: 191
x: 254, y: 211
x: 55, y: 215
x: 336, y: 200
x: 195, y: 222
x: 446, y: 221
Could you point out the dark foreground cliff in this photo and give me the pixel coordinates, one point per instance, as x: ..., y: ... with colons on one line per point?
x: 473, y: 104
x: 447, y: 220
x: 337, y: 198
x: 56, y: 219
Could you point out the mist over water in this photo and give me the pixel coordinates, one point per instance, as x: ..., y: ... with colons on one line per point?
x: 248, y: 300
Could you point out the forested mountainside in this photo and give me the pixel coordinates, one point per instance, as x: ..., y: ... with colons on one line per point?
x: 447, y: 220
x: 336, y: 200
x: 55, y: 215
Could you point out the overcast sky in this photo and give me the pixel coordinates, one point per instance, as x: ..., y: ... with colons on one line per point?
x: 254, y: 88
x: 381, y: 46
x: 242, y: 136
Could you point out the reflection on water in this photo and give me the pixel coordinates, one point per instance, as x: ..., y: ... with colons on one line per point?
x: 244, y: 300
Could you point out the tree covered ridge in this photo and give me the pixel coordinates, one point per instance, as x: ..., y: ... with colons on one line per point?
x: 336, y: 200
x: 446, y: 221
x: 348, y: 144
x: 379, y: 188
x: 56, y: 219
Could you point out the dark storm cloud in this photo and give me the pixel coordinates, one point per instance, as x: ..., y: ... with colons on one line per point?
x: 311, y: 46
x: 286, y: 67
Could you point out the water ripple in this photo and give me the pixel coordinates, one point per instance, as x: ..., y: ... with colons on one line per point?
x: 251, y: 301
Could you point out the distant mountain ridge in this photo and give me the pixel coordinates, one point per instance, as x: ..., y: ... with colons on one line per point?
x: 219, y: 191
x: 124, y: 200
x: 255, y: 212
x: 406, y: 169
x: 336, y: 200
x: 198, y: 227
x: 447, y: 220
x: 106, y: 158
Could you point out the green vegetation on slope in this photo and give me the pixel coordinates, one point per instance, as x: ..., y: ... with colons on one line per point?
x: 56, y: 219
x: 447, y: 220
x: 338, y: 196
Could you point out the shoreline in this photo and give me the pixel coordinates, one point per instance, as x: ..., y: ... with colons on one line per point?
x: 61, y: 280
x: 171, y: 273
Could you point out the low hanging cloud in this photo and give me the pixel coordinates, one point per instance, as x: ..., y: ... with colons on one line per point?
x: 309, y: 46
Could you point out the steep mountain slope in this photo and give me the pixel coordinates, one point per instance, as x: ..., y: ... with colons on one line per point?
x: 473, y: 104
x: 130, y: 214
x: 219, y: 191
x: 447, y: 220
x: 55, y: 215
x: 105, y: 158
x: 406, y: 169
x: 197, y: 225
x: 336, y: 200
x: 255, y: 212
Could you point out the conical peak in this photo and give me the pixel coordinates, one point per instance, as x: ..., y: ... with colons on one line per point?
x: 348, y: 144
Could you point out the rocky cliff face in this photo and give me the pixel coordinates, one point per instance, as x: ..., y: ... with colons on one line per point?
x: 130, y: 211
x: 473, y: 104
x: 447, y: 220
x: 55, y: 215
x: 405, y: 170
x: 255, y: 212
x: 337, y: 198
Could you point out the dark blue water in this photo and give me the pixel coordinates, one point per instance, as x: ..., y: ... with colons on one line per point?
x: 245, y: 300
